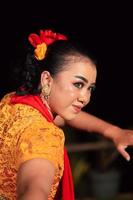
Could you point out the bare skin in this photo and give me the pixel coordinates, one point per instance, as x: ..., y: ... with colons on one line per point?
x: 122, y: 138
x: 70, y: 89
x: 34, y: 179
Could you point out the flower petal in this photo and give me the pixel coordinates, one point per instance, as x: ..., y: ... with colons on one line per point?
x: 40, y: 51
x: 34, y: 39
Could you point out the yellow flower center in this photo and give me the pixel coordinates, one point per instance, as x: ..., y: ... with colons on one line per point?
x: 40, y: 51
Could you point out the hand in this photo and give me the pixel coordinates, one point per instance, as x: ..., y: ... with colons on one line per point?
x: 123, y: 138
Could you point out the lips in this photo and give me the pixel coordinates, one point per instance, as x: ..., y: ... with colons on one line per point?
x: 77, y: 108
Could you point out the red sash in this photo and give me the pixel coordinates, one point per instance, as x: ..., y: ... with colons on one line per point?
x: 67, y: 182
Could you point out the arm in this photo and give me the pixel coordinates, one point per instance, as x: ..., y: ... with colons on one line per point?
x: 34, y: 179
x: 90, y: 123
x: 87, y: 122
x: 121, y: 138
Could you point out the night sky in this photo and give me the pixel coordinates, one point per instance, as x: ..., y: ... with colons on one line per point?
x: 104, y: 29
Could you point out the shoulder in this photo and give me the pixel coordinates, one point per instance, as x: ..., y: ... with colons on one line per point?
x: 7, y: 97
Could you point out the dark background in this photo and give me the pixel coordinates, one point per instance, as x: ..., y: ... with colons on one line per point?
x: 105, y: 28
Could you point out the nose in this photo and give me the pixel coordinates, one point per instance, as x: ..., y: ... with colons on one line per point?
x: 84, y: 98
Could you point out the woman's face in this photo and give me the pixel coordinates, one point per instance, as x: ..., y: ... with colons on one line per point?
x: 71, y: 89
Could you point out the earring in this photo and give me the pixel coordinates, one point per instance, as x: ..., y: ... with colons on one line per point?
x: 45, y: 91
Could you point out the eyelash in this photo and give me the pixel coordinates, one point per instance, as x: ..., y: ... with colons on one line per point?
x: 80, y: 85
x: 92, y: 88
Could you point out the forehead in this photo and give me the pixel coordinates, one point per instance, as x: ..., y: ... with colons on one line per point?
x: 85, y: 67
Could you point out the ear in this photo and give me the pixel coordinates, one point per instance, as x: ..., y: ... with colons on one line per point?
x: 46, y: 78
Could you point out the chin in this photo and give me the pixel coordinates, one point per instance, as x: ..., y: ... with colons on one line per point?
x: 69, y: 117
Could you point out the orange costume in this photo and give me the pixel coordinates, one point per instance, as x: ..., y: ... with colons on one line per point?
x: 25, y: 134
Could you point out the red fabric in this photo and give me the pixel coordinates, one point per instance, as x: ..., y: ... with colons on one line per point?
x: 67, y: 181
x: 34, y: 101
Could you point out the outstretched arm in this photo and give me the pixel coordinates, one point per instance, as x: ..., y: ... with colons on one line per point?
x: 87, y: 122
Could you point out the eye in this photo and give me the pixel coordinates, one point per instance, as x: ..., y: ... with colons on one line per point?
x: 92, y: 88
x: 79, y: 85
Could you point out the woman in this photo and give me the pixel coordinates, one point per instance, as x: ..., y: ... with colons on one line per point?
x: 57, y: 79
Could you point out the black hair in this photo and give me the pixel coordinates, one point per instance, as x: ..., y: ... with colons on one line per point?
x: 59, y: 54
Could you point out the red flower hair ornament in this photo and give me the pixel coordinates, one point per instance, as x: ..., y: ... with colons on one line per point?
x: 40, y: 42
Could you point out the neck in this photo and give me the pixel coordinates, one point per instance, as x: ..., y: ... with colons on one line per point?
x: 45, y: 102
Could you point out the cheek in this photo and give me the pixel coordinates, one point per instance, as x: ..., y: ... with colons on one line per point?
x: 70, y: 91
x: 62, y: 95
x: 67, y: 91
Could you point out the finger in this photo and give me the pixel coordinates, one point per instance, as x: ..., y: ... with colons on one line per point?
x: 123, y: 152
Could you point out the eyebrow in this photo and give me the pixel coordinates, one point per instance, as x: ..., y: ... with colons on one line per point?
x: 82, y: 78
x: 85, y: 80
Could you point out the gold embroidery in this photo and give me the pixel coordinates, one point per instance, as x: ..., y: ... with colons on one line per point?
x: 26, y: 134
x: 3, y: 198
